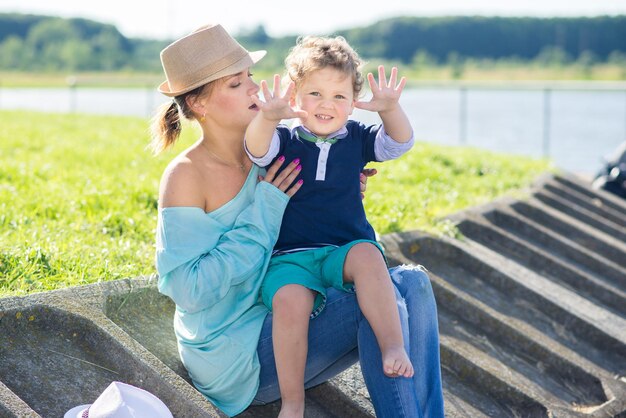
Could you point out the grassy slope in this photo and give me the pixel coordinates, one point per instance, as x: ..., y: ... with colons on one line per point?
x: 78, y: 195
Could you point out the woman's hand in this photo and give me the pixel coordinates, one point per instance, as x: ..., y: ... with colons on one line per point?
x: 285, y: 180
x: 367, y: 172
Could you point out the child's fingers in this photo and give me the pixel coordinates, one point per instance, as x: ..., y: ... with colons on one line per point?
x: 364, y: 106
x: 276, y: 85
x: 372, y: 82
x: 289, y: 90
x: 393, y: 77
x: 401, y: 85
x: 382, y: 78
x: 266, y: 90
x: 369, y: 172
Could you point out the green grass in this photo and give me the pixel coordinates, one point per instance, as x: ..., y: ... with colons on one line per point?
x: 432, y: 181
x: 78, y: 195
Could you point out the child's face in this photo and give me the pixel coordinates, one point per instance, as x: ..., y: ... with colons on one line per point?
x: 328, y: 97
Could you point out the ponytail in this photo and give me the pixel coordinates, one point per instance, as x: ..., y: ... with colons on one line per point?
x: 166, y: 126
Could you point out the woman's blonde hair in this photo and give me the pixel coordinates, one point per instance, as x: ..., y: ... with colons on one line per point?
x: 313, y: 53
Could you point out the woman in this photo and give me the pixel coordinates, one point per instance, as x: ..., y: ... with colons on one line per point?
x: 216, y: 229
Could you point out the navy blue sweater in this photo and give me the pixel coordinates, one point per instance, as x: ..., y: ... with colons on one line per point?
x: 328, y: 212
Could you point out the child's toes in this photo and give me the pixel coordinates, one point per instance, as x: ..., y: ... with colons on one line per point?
x: 388, y: 369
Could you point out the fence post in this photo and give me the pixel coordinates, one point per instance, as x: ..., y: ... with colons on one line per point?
x: 463, y: 115
x: 546, y: 122
x: 71, y: 82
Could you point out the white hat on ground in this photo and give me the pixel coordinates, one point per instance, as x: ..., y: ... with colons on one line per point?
x: 120, y: 400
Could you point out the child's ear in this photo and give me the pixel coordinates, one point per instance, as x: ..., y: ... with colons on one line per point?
x: 292, y: 100
x: 352, y: 107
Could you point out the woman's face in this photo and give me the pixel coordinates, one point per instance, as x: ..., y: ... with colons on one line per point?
x: 229, y: 103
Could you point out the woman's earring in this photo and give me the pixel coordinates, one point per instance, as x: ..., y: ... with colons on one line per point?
x: 202, y: 118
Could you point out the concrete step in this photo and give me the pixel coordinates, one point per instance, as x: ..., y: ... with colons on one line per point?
x: 517, y: 328
x: 600, y: 243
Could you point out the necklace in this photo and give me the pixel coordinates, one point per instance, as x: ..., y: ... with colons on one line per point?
x: 242, y: 167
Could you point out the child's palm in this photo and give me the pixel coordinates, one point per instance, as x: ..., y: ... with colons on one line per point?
x: 385, y: 96
x: 276, y: 106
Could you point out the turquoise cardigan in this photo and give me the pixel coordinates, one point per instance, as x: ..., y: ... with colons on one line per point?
x: 212, y: 265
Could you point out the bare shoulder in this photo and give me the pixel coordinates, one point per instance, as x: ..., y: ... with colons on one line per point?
x: 181, y: 184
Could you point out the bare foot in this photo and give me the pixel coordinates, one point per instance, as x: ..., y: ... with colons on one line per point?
x: 291, y: 409
x: 396, y: 362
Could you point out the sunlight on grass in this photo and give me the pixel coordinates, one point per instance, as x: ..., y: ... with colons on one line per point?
x: 433, y: 181
x: 78, y: 195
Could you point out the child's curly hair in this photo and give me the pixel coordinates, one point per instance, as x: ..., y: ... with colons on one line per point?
x: 313, y: 53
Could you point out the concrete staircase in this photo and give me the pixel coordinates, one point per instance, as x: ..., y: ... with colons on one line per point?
x: 532, y: 316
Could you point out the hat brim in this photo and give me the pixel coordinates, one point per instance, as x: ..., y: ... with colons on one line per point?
x: 247, y: 61
x: 77, y: 411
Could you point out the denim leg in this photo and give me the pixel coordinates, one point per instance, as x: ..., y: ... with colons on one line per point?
x: 392, y: 397
x: 414, y: 286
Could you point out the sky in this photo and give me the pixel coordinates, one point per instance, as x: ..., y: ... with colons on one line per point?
x: 166, y: 19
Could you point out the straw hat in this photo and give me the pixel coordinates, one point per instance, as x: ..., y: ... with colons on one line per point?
x: 205, y: 55
x: 120, y: 400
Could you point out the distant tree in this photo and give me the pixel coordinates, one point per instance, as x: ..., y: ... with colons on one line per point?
x: 51, y: 31
x: 422, y: 59
x: 488, y: 37
x: 30, y: 42
x: 618, y: 58
x: 552, y: 56
x: 255, y: 36
x: 108, y: 51
x: 75, y: 56
x: 47, y: 40
x: 15, y: 24
x: 586, y: 61
x: 457, y: 66
x: 12, y: 53
x: 145, y: 55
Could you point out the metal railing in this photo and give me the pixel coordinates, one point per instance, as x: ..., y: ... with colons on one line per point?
x: 547, y: 89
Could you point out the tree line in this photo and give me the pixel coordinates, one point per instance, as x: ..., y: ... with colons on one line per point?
x: 45, y: 43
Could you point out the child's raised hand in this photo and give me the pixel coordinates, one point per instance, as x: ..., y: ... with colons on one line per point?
x: 385, y: 95
x: 276, y: 106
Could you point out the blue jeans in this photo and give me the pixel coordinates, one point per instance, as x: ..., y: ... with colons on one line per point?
x: 340, y: 336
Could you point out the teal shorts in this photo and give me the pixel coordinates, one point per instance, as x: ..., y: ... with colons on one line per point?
x: 316, y: 269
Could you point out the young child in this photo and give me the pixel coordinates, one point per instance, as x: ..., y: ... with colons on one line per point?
x: 325, y: 239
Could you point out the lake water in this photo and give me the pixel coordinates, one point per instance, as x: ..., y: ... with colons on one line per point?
x: 574, y: 128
